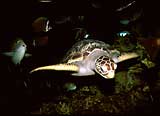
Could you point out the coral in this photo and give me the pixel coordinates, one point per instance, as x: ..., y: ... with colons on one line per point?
x: 47, y: 108
x: 90, y: 101
x: 64, y: 108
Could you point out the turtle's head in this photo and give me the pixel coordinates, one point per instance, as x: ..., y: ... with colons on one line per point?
x: 105, y: 67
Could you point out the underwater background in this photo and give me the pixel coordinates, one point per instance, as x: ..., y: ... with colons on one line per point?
x: 125, y: 25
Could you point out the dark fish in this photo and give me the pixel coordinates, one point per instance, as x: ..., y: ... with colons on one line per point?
x: 126, y: 6
x: 45, y: 0
x: 41, y: 24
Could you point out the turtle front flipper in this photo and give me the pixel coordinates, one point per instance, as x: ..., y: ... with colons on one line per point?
x: 60, y: 67
x: 80, y: 71
x: 126, y: 56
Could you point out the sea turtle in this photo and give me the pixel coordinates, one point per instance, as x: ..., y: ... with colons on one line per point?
x: 89, y: 56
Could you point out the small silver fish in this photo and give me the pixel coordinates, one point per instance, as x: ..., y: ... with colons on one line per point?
x: 70, y: 86
x: 123, y: 33
x: 125, y: 21
x: 17, y: 52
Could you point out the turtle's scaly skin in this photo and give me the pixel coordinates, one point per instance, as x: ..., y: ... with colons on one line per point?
x: 89, y: 56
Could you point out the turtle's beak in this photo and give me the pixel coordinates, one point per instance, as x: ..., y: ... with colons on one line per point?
x: 110, y: 75
x: 60, y: 67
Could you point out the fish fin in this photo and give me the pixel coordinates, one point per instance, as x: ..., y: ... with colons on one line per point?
x: 7, y: 53
x: 27, y: 55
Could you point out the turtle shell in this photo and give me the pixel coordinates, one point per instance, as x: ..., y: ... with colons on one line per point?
x: 83, y: 48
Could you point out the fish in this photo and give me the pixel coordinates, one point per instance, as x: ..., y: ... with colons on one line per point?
x: 40, y: 27
x: 45, y: 1
x: 70, y: 86
x: 41, y: 24
x: 123, y: 33
x: 125, y: 21
x: 125, y: 6
x: 128, y: 19
x: 17, y: 52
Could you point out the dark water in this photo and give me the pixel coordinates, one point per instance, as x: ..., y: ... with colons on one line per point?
x: 22, y: 93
